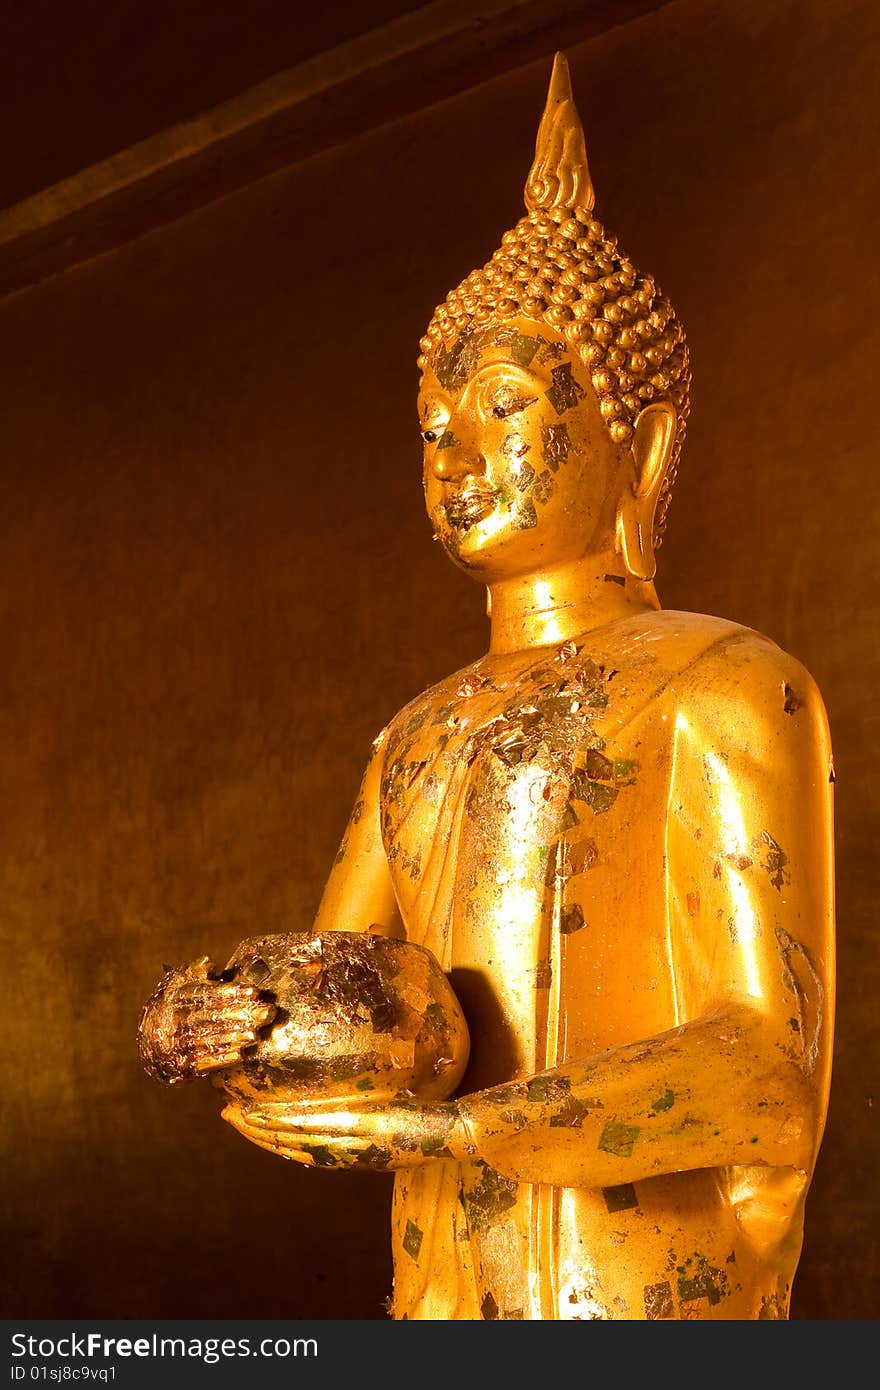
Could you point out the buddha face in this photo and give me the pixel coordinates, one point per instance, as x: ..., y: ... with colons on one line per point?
x: 520, y: 472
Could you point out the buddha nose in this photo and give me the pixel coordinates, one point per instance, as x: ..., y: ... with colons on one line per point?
x: 454, y: 458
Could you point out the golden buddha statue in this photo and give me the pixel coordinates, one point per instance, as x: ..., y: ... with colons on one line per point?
x: 612, y: 831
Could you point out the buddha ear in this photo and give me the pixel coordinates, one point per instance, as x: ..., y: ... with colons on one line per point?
x: 651, y: 452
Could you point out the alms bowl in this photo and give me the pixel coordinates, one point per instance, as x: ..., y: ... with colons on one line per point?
x: 359, y: 1016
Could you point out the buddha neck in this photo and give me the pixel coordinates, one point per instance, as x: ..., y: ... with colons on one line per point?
x: 562, y: 602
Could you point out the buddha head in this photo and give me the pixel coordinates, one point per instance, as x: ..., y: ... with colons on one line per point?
x: 554, y: 386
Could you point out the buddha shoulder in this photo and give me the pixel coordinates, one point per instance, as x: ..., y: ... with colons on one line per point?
x: 430, y: 708
x: 729, y: 678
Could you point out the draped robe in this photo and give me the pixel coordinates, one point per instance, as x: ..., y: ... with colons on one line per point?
x: 562, y: 837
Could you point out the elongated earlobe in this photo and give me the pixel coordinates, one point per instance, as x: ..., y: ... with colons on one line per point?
x: 651, y: 451
x: 635, y: 546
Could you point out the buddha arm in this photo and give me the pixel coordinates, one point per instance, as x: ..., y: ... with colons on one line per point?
x: 359, y: 894
x: 716, y: 1091
x: 744, y: 1078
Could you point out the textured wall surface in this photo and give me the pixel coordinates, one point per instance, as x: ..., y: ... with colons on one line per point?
x: 218, y: 583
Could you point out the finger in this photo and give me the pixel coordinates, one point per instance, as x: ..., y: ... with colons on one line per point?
x: 200, y: 969
x: 251, y: 1016
x: 313, y: 1150
x: 348, y: 1110
x: 322, y: 1150
x: 299, y: 1123
x: 208, y: 1046
x: 220, y: 997
x: 216, y: 1061
x: 235, y: 991
x: 272, y: 1144
x: 205, y: 1014
x: 221, y: 1033
x: 222, y: 1038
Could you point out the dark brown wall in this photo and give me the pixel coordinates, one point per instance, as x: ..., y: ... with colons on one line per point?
x: 218, y: 584
x: 79, y: 83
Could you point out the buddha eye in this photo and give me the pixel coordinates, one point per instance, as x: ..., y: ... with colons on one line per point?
x: 434, y: 423
x: 509, y: 403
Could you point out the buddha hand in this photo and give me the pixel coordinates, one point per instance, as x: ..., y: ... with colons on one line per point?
x: 195, y: 1023
x: 387, y: 1134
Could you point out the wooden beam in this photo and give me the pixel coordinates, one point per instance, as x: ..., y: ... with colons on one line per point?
x: 411, y: 62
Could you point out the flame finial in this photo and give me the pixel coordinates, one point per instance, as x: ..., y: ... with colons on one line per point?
x: 560, y: 175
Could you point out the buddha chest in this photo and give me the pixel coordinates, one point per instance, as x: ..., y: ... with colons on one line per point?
x: 524, y: 815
